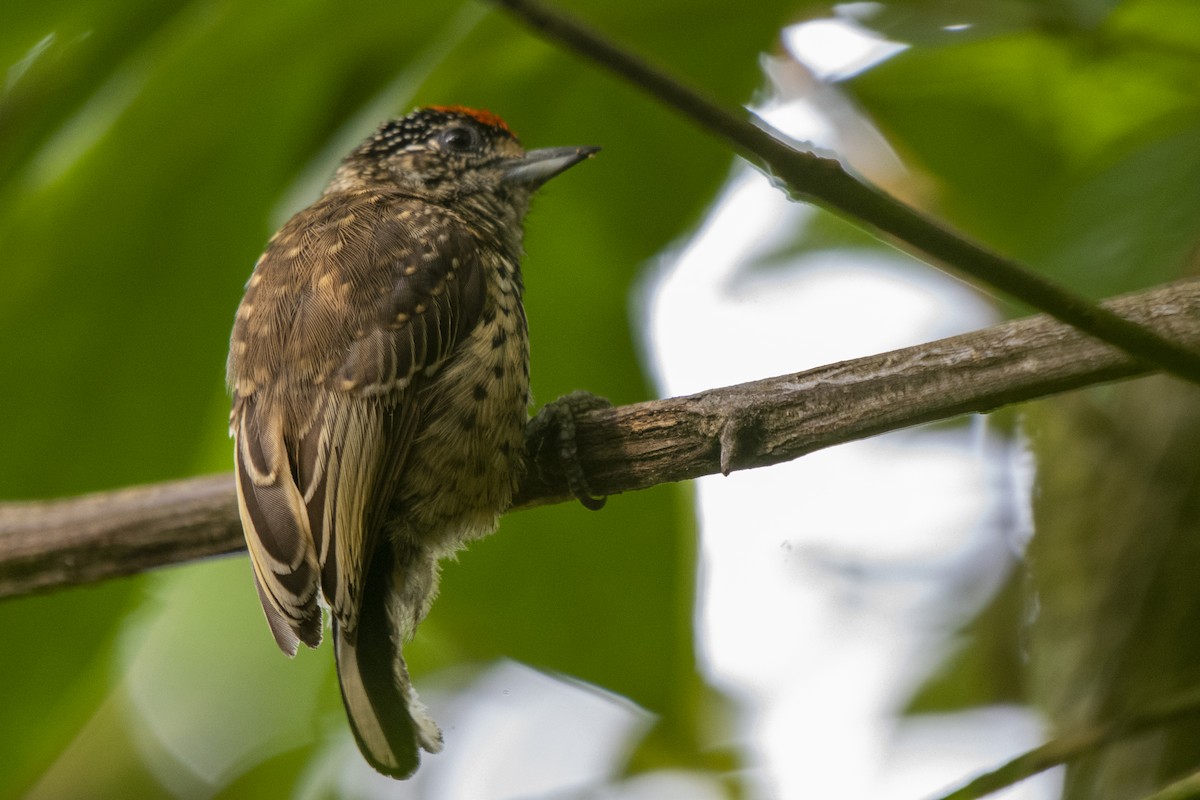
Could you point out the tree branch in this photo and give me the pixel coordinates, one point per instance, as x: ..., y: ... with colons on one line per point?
x: 826, y: 182
x: 1076, y: 745
x: 1183, y: 789
x: 45, y: 545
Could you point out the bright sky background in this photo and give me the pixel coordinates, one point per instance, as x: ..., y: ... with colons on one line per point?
x: 832, y: 585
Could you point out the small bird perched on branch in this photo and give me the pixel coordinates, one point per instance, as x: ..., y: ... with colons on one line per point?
x: 379, y: 366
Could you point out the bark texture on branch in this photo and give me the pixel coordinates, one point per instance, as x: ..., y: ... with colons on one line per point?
x: 49, y: 544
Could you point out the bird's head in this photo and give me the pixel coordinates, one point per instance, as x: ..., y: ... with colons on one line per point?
x: 452, y: 155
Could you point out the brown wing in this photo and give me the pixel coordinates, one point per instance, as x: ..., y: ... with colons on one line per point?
x: 358, y: 299
x: 276, y: 527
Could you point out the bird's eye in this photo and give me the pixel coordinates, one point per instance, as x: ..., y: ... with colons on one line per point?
x: 460, y: 139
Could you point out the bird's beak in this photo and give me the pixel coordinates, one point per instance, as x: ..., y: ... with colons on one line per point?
x: 538, y: 166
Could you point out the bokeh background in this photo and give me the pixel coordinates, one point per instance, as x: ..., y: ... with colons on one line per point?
x: 1019, y: 576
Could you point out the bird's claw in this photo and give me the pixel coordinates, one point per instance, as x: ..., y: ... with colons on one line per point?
x: 557, y: 420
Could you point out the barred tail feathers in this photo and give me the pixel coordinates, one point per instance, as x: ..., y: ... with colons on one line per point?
x: 388, y: 720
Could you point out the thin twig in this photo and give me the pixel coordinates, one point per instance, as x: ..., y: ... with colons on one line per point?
x: 827, y: 182
x: 45, y: 545
x: 1068, y: 748
x: 1184, y: 789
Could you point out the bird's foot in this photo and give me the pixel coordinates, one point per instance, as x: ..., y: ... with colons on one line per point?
x: 554, y: 427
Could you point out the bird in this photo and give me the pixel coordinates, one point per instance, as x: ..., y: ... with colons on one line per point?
x: 379, y: 369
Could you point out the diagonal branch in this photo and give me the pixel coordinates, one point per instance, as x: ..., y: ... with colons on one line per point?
x: 825, y: 181
x: 1076, y: 745
x: 45, y: 545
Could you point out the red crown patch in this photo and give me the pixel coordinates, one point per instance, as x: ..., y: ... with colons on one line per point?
x: 480, y: 115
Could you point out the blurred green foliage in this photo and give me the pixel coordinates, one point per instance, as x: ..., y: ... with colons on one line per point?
x: 149, y: 148
x: 1068, y: 141
x: 147, y: 151
x: 1067, y: 133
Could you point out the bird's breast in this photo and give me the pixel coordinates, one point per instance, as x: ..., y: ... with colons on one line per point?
x: 466, y: 458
